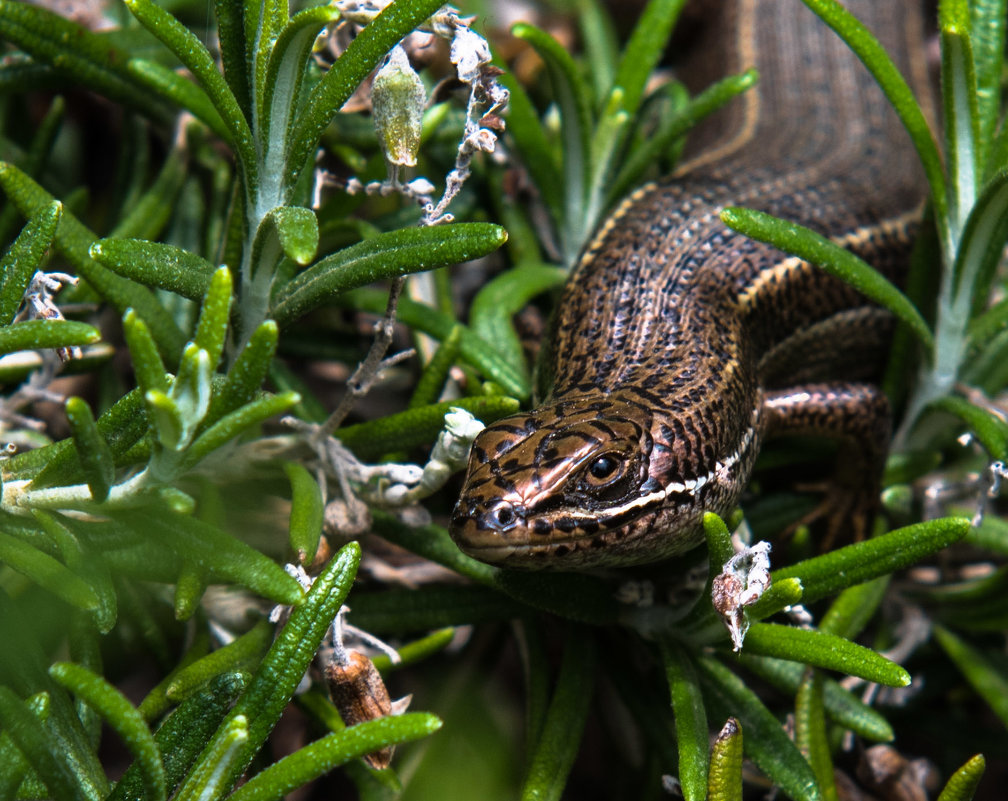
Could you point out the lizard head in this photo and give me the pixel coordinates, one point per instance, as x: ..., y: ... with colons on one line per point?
x: 568, y: 485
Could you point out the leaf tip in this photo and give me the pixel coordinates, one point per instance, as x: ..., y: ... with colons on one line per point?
x: 520, y: 29
x: 57, y: 670
x: 730, y: 215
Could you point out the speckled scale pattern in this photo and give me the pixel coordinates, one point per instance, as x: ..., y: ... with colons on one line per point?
x: 676, y: 340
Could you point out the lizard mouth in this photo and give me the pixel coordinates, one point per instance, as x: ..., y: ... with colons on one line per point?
x: 504, y: 534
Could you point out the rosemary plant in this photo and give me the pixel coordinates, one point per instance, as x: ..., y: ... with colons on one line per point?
x: 242, y: 234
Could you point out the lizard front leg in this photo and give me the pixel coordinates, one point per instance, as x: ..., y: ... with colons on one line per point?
x: 857, y: 415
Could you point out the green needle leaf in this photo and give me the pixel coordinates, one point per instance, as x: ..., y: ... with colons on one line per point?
x: 831, y: 257
x: 648, y: 152
x: 263, y: 22
x: 290, y: 230
x: 431, y: 542
x: 501, y: 298
x: 25, y: 256
x: 824, y: 650
x: 386, y: 255
x: 89, y: 59
x: 70, y: 767
x: 179, y: 90
x: 47, y: 572
x: 573, y: 96
x: 184, y: 734
x: 13, y: 765
x: 644, y: 48
x: 983, y: 239
x: 987, y: 34
x: 599, y: 43
x: 121, y: 427
x: 842, y: 707
x: 247, y: 373
x: 986, y: 679
x: 306, y: 512
x: 810, y: 731
x: 782, y: 594
x: 532, y: 143
x: 147, y: 365
x: 720, y: 550
x: 286, y: 69
x: 435, y: 373
x: 190, y: 587
x: 167, y: 418
x: 39, y: 334
x: 962, y: 123
x: 565, y: 719
x: 280, y: 671
x: 333, y: 750
x: 231, y: 35
x: 416, y: 651
x: 853, y: 608
x: 241, y: 654
x: 825, y: 575
x: 147, y: 217
x: 210, y: 778
x: 211, y: 331
x: 191, y: 52
x: 156, y: 264
x: 725, y: 782
x: 74, y: 240
x: 964, y: 782
x: 418, y: 426
x: 224, y: 556
x: 990, y: 430
x: 234, y: 423
x: 42, y: 751
x: 690, y: 721
x: 765, y: 743
x: 987, y: 325
x: 92, y: 450
x: 122, y: 716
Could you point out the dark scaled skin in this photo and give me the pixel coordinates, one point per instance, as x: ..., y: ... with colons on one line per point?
x: 680, y: 346
x: 594, y: 491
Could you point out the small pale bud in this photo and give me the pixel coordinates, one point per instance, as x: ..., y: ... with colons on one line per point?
x: 469, y: 51
x: 397, y: 100
x: 421, y: 186
x: 460, y: 423
x: 485, y: 140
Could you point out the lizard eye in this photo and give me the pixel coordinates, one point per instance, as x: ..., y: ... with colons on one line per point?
x: 606, y: 469
x: 603, y: 467
x: 607, y: 478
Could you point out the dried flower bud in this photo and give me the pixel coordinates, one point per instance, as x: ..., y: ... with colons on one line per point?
x: 359, y: 694
x: 398, y: 98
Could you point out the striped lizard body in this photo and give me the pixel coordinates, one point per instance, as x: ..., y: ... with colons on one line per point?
x: 680, y: 346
